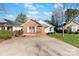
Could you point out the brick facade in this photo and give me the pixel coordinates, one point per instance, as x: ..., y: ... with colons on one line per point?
x: 32, y: 23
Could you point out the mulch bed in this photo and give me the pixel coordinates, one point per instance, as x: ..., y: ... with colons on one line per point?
x: 2, y: 40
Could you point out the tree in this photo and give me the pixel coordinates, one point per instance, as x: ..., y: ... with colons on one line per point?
x: 48, y: 21
x: 21, y: 17
x: 61, y: 7
x: 70, y: 14
x: 54, y: 16
x: 53, y: 20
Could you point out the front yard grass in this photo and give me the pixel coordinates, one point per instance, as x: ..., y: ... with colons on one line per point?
x: 72, y: 39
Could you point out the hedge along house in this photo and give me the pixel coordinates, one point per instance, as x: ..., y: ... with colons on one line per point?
x: 9, y: 25
x: 32, y: 28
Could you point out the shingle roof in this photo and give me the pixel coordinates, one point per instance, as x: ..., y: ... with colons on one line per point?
x: 42, y: 23
x: 6, y: 22
x: 45, y: 23
x: 33, y: 21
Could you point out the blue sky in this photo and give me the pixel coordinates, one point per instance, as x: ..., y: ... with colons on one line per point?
x: 32, y: 10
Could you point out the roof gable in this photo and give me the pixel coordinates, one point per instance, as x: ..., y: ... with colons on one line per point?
x: 73, y: 22
x: 39, y: 22
x: 31, y: 21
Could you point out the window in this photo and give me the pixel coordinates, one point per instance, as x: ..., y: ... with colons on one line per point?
x: 9, y: 28
x: 74, y: 29
x: 31, y: 29
x: 2, y: 28
x: 50, y: 29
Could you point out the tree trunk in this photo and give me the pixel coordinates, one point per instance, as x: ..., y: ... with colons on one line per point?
x: 63, y: 31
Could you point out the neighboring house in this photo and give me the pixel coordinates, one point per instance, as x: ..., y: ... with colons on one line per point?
x: 74, y: 26
x: 6, y: 24
x: 32, y: 27
x: 48, y: 28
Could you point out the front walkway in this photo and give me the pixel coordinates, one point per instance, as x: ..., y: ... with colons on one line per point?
x: 44, y: 45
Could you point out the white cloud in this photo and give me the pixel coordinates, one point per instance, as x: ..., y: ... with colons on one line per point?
x: 32, y: 8
x: 58, y: 5
x: 47, y: 13
x: 39, y: 6
x: 55, y: 6
x: 28, y: 15
x: 10, y: 16
x: 29, y: 6
x: 33, y: 12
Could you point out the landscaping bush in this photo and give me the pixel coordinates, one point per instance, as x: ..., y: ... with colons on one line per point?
x: 17, y: 33
x: 60, y: 31
x: 5, y: 34
x: 69, y: 30
x: 77, y: 32
x: 51, y: 33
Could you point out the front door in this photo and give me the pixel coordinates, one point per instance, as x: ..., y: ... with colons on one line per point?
x: 40, y: 29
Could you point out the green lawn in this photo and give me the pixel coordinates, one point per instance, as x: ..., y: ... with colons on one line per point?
x: 72, y: 39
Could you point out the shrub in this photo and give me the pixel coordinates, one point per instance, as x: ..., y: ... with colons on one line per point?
x: 60, y: 31
x: 77, y: 32
x: 17, y: 33
x: 5, y: 34
x: 51, y: 33
x: 69, y: 30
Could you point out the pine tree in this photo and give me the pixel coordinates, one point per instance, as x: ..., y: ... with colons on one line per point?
x: 21, y: 17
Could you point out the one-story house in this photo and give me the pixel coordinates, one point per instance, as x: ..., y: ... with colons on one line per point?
x: 33, y: 27
x: 48, y: 27
x: 6, y: 24
x: 74, y: 26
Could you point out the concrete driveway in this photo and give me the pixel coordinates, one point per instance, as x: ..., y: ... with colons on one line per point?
x: 37, y: 46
